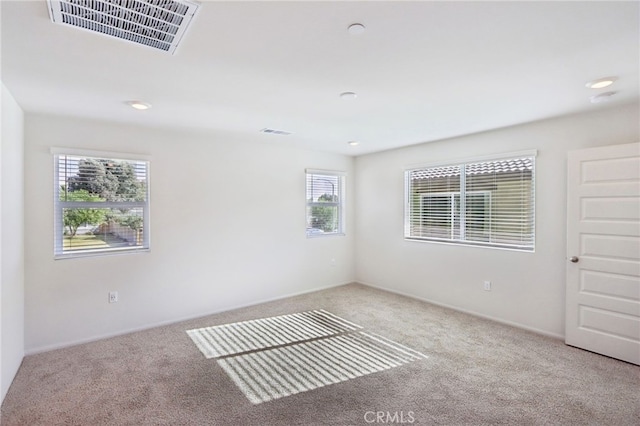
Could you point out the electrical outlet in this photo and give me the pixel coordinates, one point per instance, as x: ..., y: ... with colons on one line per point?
x: 113, y: 296
x: 333, y: 262
x: 487, y: 286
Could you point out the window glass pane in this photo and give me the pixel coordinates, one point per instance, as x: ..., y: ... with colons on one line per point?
x: 100, y: 205
x: 437, y: 219
x: 478, y: 215
x: 324, y: 204
x: 94, y: 229
x: 99, y: 179
x: 509, y: 185
x: 434, y: 208
x: 496, y: 208
x: 322, y: 219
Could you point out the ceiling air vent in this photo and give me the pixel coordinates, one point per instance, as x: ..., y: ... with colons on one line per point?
x: 275, y: 132
x: 160, y: 24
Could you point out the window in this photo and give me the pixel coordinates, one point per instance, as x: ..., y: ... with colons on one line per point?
x: 101, y: 205
x: 486, y: 203
x: 325, y: 200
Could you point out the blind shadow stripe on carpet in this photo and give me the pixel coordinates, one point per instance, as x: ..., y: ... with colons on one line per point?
x: 275, y: 373
x: 270, y: 358
x: 246, y: 336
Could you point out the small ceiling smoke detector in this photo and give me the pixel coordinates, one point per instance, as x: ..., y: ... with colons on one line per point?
x: 601, y: 82
x: 139, y: 105
x: 159, y: 24
x: 348, y: 95
x: 353, y: 143
x: 356, y: 29
x: 602, y: 97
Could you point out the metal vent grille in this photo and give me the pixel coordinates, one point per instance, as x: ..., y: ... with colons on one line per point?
x: 275, y: 132
x: 159, y: 24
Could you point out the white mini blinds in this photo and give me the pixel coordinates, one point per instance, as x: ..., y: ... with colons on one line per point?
x: 101, y: 205
x: 485, y: 203
x: 325, y: 203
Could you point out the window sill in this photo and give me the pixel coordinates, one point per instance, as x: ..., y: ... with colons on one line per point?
x: 327, y: 235
x: 97, y: 253
x: 472, y: 244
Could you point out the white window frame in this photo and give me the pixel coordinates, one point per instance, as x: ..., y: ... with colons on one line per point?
x: 339, y: 204
x: 59, y: 206
x: 461, y: 238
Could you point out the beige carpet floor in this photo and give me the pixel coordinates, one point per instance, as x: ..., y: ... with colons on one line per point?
x: 477, y: 372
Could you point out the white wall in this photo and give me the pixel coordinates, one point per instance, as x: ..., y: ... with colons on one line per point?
x: 227, y: 229
x: 528, y: 288
x: 12, y: 237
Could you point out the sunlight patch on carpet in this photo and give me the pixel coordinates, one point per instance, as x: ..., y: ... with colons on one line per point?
x: 275, y: 373
x: 247, y: 336
x: 271, y: 358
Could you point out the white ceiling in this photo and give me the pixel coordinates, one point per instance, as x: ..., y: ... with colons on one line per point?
x: 423, y: 71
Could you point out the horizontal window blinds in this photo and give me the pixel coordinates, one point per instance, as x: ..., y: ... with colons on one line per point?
x: 481, y: 203
x: 325, y: 199
x: 101, y: 205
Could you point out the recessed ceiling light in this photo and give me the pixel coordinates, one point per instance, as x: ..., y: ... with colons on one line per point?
x: 353, y: 143
x: 602, y: 97
x: 601, y: 82
x: 356, y: 29
x: 348, y: 95
x: 139, y: 105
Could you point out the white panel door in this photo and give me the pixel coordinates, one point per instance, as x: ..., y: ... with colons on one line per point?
x: 603, y: 251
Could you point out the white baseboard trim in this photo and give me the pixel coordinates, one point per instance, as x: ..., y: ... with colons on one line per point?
x: 466, y: 311
x: 47, y: 348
